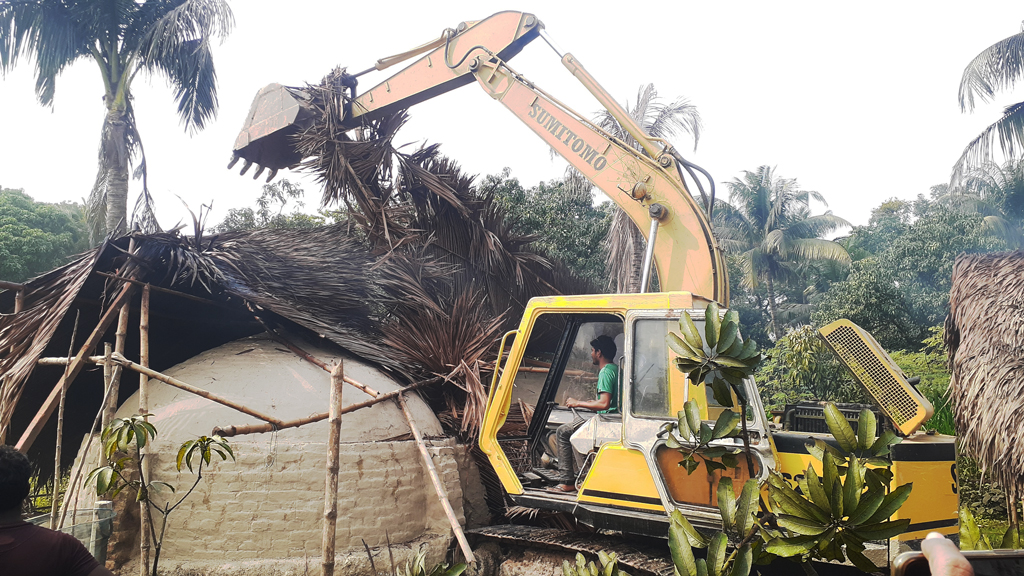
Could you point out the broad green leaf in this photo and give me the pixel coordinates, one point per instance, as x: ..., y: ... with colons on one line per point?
x: 716, y: 452
x: 853, y: 486
x: 684, y: 426
x: 705, y: 433
x: 695, y: 538
x: 717, y: 554
x: 793, y: 503
x: 690, y: 333
x: 181, y: 454
x: 816, y: 491
x: 744, y: 559
x: 732, y: 363
x: 730, y: 460
x: 721, y: 389
x: 746, y: 507
x: 833, y: 550
x: 727, y: 337
x: 713, y: 466
x: 860, y: 560
x: 712, y: 326
x: 691, y: 465
x: 104, y: 479
x: 727, y: 503
x: 679, y: 546
x: 883, y: 445
x: 882, y: 530
x: 789, y: 547
x: 836, y: 499
x: 749, y: 350
x: 140, y: 436
x: 840, y: 428
x: 672, y: 443
x: 816, y: 450
x: 702, y: 567
x: 891, y: 503
x: 971, y: 537
x: 830, y: 473
x: 1011, y: 539
x: 870, y: 501
x: 683, y: 348
x: 692, y: 415
x: 866, y: 429
x: 802, y: 526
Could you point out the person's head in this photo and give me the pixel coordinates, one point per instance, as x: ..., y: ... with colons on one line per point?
x: 605, y: 346
x: 15, y: 471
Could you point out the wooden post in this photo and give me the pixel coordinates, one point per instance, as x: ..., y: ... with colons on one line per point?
x: 442, y: 492
x: 144, y: 511
x: 333, y: 456
x: 119, y: 339
x: 74, y: 367
x: 3, y: 409
x: 19, y: 300
x: 108, y: 370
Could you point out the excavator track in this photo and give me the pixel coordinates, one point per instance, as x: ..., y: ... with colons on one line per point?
x: 636, y: 557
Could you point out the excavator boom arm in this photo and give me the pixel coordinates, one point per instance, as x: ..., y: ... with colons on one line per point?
x: 646, y: 184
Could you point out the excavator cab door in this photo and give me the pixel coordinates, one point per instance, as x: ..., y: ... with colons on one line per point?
x: 654, y: 392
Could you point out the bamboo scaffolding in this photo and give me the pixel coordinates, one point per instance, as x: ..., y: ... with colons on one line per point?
x: 144, y: 512
x: 19, y: 294
x: 74, y: 367
x: 442, y: 492
x: 229, y: 431
x: 333, y: 458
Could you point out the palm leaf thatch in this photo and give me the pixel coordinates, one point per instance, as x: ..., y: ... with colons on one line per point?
x: 984, y: 335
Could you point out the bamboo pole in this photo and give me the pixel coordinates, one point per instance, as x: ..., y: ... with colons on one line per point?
x: 55, y: 497
x: 120, y: 336
x: 19, y: 300
x: 3, y: 409
x: 229, y: 431
x: 164, y: 290
x: 74, y: 367
x: 331, y: 482
x: 144, y: 511
x: 108, y: 371
x: 442, y: 492
x: 197, y: 391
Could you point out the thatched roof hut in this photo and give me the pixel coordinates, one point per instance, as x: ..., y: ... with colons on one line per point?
x: 985, y: 341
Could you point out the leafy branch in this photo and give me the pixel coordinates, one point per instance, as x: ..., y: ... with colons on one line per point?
x: 123, y: 441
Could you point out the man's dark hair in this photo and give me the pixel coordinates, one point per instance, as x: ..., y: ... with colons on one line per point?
x: 605, y: 345
x: 15, y: 470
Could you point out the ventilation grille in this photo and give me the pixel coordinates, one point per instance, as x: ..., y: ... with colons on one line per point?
x: 882, y: 378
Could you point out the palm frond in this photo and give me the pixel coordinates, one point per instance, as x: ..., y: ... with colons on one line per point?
x: 996, y: 68
x: 817, y: 249
x: 178, y: 44
x: 1009, y: 129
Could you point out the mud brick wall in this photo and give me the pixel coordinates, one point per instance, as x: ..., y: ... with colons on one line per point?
x: 269, y: 504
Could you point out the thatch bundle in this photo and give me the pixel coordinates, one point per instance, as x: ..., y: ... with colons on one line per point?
x: 984, y: 335
x: 420, y: 279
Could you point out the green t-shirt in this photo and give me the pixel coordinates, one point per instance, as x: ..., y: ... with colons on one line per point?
x: 608, y: 381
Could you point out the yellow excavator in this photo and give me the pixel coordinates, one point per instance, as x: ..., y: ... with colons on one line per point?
x: 629, y: 478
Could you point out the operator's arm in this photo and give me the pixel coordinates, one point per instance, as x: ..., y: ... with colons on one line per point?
x: 603, y: 402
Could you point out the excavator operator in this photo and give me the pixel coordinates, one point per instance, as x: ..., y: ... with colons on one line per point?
x: 602, y: 352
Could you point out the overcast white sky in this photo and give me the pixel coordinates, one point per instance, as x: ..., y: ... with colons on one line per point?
x: 855, y: 100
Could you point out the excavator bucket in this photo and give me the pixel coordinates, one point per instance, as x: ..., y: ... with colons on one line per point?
x: 277, y: 114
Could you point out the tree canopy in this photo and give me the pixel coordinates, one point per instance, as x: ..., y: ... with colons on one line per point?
x: 36, y: 237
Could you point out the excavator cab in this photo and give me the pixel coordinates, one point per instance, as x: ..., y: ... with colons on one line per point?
x: 626, y: 476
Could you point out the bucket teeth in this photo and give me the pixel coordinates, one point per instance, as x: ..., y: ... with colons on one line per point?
x: 234, y: 160
x: 245, y: 167
x: 270, y: 176
x: 259, y: 171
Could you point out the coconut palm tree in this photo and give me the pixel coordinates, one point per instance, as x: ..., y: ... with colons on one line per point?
x: 123, y: 38
x: 659, y: 119
x: 996, y: 192
x: 768, y: 223
x: 998, y: 67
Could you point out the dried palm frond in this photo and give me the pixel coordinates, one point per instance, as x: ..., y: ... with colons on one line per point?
x: 984, y: 336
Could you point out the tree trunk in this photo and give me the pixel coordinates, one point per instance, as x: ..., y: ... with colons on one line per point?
x: 114, y: 162
x: 771, y: 308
